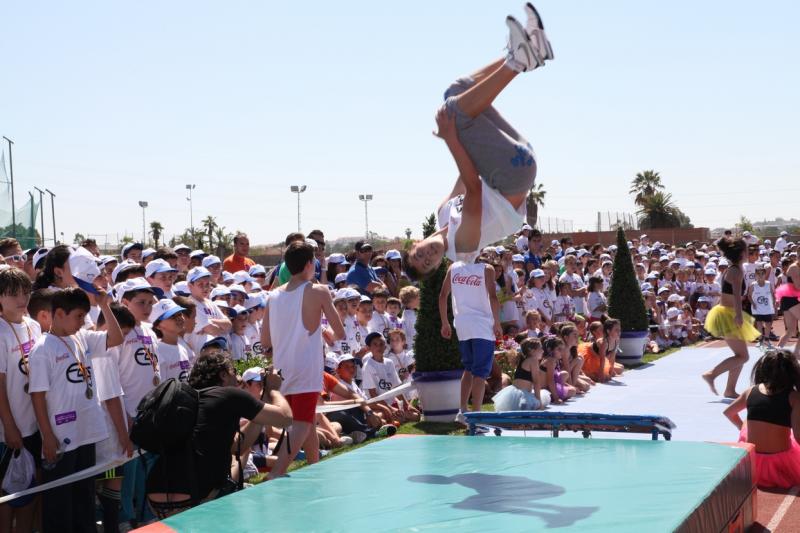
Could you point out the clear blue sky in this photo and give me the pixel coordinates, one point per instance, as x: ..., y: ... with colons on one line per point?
x: 114, y: 102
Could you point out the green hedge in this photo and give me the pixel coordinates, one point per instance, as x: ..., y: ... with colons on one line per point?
x: 625, y: 301
x: 431, y: 351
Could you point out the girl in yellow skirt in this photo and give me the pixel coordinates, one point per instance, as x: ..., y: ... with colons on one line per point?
x: 728, y: 321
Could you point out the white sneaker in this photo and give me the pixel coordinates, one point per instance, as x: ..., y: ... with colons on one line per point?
x: 535, y: 30
x: 346, y: 440
x: 460, y: 418
x: 522, y: 57
x: 358, y: 437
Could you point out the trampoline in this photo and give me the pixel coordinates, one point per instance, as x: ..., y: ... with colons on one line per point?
x: 491, y: 484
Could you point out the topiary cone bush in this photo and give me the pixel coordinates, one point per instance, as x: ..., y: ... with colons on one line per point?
x: 432, y: 352
x: 625, y: 301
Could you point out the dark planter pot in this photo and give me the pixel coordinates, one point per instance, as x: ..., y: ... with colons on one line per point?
x: 439, y: 394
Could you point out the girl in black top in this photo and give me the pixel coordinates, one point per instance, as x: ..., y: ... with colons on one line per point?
x: 524, y: 393
x: 728, y: 321
x: 773, y: 419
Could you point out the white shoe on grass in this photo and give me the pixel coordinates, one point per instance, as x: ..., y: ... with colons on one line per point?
x: 460, y: 418
x: 535, y: 29
x: 522, y: 56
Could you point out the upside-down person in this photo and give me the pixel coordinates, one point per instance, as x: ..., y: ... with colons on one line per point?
x: 496, y: 164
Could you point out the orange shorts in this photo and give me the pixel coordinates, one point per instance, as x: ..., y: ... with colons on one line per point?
x: 304, y: 406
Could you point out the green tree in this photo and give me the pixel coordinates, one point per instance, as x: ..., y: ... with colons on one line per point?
x: 625, y: 301
x: 156, y: 229
x: 644, y: 185
x: 224, y: 241
x: 79, y: 238
x: 533, y: 202
x: 429, y: 226
x: 209, y: 225
x: 658, y: 211
x: 745, y: 224
x: 432, y: 351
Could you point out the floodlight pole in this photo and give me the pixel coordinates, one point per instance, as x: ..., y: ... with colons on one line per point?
x: 365, y: 198
x: 298, y: 189
x: 53, y: 208
x: 41, y: 210
x: 11, y: 171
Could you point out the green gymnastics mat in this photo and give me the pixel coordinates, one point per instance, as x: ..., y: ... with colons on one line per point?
x: 493, y: 484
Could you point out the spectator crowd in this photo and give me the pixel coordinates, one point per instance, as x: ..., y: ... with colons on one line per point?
x: 86, y: 337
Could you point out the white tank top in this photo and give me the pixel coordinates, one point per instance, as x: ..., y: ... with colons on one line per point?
x: 472, y: 312
x: 499, y: 219
x: 297, y: 352
x: 762, y: 299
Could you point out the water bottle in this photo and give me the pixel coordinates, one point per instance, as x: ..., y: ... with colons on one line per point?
x: 59, y: 454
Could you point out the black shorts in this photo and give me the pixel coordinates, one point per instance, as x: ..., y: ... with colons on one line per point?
x: 787, y: 302
x: 767, y: 319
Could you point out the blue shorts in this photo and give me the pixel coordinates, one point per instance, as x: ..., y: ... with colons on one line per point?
x: 477, y: 356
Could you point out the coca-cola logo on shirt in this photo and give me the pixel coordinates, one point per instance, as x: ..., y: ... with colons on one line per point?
x: 472, y: 280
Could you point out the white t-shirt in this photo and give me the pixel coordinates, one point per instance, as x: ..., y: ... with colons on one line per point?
x: 106, y: 373
x: 401, y: 362
x: 75, y: 419
x: 410, y: 326
x: 596, y: 299
x: 576, y: 282
x: 352, y: 341
x: 12, y: 351
x: 564, y: 308
x: 762, y: 301
x: 240, y: 346
x: 206, y: 311
x: 539, y: 301
x: 522, y: 243
x: 136, y: 371
x: 253, y: 333
x: 749, y: 272
x: 780, y: 244
x: 379, y: 376
x: 380, y: 323
x: 174, y: 361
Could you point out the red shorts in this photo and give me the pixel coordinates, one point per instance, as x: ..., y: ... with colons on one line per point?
x: 304, y: 406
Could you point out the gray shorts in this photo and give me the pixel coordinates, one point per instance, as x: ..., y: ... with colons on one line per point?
x: 504, y: 158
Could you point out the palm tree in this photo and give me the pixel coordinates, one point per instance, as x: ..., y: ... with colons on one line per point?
x: 224, y: 241
x: 156, y: 229
x: 645, y: 184
x: 209, y: 224
x: 533, y: 202
x: 658, y: 211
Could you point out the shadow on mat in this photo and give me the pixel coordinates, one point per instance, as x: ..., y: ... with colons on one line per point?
x: 511, y: 494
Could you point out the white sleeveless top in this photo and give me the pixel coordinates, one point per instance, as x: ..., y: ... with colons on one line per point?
x: 762, y: 299
x: 297, y: 353
x: 499, y: 219
x: 472, y: 312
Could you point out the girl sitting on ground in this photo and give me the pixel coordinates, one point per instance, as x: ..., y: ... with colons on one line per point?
x: 600, y: 355
x: 525, y: 392
x: 773, y: 419
x: 573, y: 361
x: 553, y: 377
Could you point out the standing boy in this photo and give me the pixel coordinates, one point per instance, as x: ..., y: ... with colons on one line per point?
x: 292, y: 329
x: 18, y: 430
x: 66, y: 405
x: 476, y: 317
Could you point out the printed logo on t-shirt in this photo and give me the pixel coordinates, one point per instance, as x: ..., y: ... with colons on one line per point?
x: 524, y: 158
x: 142, y: 356
x: 344, y: 347
x: 473, y: 280
x: 64, y: 418
x: 384, y: 385
x: 257, y: 348
x: 74, y: 375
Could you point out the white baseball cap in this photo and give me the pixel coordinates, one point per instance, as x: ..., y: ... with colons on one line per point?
x: 517, y: 258
x: 180, y: 248
x: 130, y: 246
x: 181, y: 289
x: 83, y: 266
x: 337, y: 259
x: 147, y: 252
x: 347, y: 293
x: 237, y: 288
x: 392, y: 255
x: 537, y: 273
x: 526, y: 226
x: 164, y: 309
x: 157, y: 265
x: 197, y: 273
x: 252, y: 374
x: 710, y: 272
x: 124, y: 265
x: 211, y: 260
x: 39, y: 255
x: 219, y: 290
x: 340, y: 277
x: 106, y: 259
x: 132, y: 284
x: 255, y: 301
x: 673, y: 312
x: 197, y: 253
x: 257, y: 270
x: 242, y: 276
x: 227, y: 277
x: 674, y: 298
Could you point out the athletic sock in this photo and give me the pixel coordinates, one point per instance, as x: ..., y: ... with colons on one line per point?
x: 109, y: 501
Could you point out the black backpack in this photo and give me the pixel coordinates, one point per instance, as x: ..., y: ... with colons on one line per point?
x: 165, y: 418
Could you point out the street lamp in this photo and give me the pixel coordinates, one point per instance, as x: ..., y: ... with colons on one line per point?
x: 298, y: 189
x: 365, y: 198
x: 11, y: 171
x: 53, y: 208
x: 41, y: 210
x: 143, y: 205
x: 190, y: 187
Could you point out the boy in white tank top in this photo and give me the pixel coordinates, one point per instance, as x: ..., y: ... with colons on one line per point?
x: 476, y: 317
x: 292, y: 328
